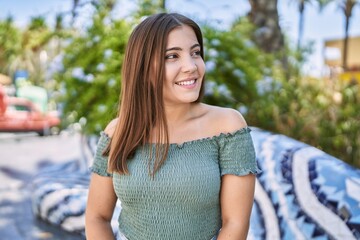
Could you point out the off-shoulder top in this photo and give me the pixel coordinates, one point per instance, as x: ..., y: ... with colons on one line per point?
x: 182, y: 200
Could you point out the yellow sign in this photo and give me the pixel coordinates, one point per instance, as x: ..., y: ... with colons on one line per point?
x: 350, y: 76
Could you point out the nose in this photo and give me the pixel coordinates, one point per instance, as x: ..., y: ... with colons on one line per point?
x: 189, y: 65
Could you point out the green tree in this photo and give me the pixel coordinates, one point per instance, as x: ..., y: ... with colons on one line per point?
x: 149, y: 7
x: 340, y: 123
x: 31, y: 52
x: 90, y: 79
x: 10, y: 44
x: 238, y: 71
x: 240, y: 74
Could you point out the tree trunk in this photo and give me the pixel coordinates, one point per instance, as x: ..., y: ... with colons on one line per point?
x: 301, y: 23
x: 264, y: 15
x: 346, y: 43
x: 73, y: 10
x: 348, y: 6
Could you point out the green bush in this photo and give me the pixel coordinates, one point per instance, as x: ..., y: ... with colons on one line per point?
x: 90, y: 79
x: 319, y: 112
x: 270, y: 94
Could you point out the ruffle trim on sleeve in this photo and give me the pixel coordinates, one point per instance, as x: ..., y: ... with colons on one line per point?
x: 242, y: 172
x: 100, y: 162
x: 100, y: 172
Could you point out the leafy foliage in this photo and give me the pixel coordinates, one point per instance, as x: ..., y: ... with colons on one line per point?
x: 321, y: 112
x: 269, y: 91
x: 238, y: 72
x: 10, y: 46
x: 149, y: 7
x: 90, y: 79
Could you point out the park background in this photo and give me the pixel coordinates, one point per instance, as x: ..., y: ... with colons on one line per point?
x: 73, y: 50
x: 259, y: 60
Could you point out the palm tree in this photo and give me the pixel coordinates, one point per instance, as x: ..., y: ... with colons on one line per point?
x: 347, y: 7
x: 73, y: 10
x: 10, y: 44
x: 32, y: 55
x: 264, y: 15
x: 302, y: 7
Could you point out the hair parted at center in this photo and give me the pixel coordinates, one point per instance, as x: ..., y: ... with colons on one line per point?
x: 141, y: 99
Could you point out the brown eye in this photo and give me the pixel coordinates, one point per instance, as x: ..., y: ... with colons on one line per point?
x: 171, y: 56
x: 196, y: 53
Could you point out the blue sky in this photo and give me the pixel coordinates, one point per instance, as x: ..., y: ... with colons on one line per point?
x: 319, y: 26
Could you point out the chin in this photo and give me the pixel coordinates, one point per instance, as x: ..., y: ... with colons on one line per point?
x: 191, y: 99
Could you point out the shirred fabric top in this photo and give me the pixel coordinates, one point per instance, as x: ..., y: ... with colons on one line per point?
x: 182, y: 201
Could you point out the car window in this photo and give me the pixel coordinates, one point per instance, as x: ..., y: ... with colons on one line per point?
x: 19, y: 107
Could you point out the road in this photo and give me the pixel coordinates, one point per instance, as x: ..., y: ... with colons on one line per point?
x: 21, y: 157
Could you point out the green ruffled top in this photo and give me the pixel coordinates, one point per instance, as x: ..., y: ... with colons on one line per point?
x: 182, y: 201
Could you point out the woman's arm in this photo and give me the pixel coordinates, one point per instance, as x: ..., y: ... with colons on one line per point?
x: 237, y: 196
x: 237, y: 192
x: 101, y: 202
x: 100, y: 207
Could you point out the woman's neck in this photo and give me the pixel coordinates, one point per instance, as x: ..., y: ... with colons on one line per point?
x: 177, y: 115
x: 183, y: 122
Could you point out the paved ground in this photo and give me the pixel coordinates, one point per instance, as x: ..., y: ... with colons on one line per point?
x: 21, y: 157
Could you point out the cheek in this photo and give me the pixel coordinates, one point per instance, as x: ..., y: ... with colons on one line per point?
x: 170, y: 73
x: 201, y: 67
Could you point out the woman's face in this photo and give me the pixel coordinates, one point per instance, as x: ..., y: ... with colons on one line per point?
x: 184, y: 67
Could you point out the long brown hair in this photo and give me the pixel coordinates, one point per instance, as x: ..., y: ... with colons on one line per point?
x: 141, y: 99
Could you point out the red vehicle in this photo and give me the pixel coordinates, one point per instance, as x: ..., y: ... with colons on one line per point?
x: 22, y: 115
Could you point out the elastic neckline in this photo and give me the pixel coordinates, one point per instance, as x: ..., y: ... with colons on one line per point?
x: 199, y: 140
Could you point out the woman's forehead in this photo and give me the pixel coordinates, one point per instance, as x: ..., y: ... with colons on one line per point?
x: 182, y: 35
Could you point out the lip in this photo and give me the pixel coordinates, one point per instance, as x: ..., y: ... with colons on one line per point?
x: 188, y: 79
x: 190, y: 86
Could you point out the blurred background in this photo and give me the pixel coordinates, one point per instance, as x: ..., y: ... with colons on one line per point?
x: 290, y: 67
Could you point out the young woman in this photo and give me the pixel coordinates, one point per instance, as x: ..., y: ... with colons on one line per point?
x: 181, y: 169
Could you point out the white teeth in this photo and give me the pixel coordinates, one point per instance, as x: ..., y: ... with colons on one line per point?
x: 185, y: 83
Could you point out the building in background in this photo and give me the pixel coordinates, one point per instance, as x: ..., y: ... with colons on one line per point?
x: 333, y: 51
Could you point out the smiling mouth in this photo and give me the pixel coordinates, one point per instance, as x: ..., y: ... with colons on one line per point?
x: 186, y: 83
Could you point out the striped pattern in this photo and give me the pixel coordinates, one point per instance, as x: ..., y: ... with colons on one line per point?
x: 302, y: 193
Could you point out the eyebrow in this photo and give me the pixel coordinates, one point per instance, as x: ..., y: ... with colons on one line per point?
x: 179, y: 49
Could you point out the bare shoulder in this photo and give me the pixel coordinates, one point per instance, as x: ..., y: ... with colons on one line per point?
x: 110, y: 128
x: 225, y: 120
